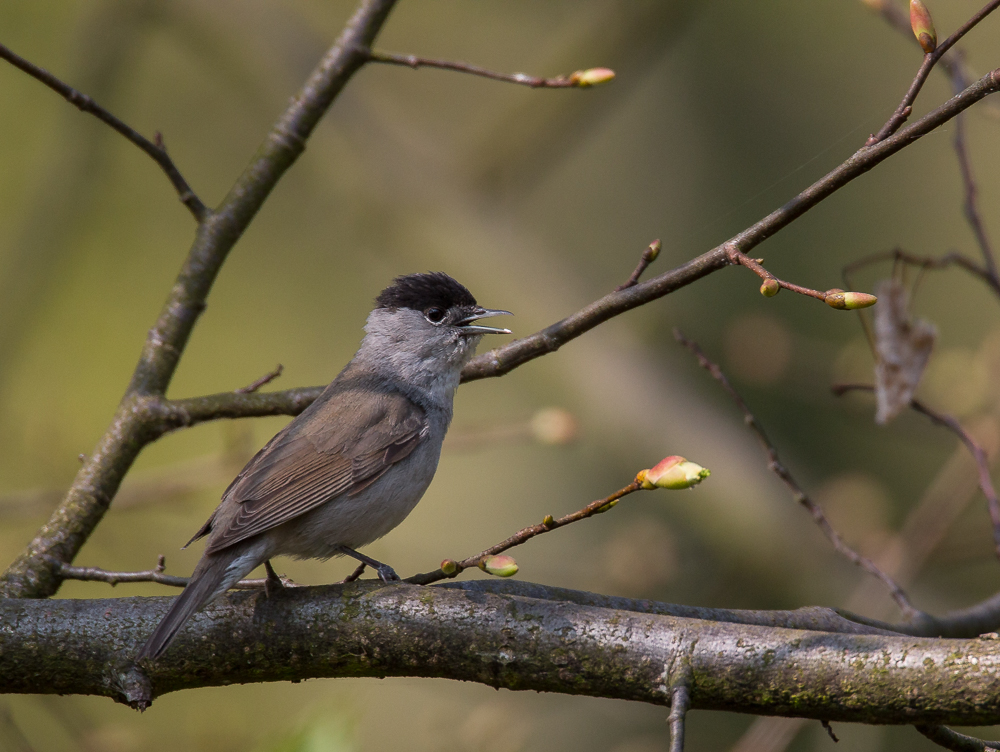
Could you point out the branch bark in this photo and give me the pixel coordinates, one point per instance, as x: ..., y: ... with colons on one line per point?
x: 370, y: 629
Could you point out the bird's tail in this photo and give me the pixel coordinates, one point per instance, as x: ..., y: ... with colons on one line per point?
x: 214, y: 575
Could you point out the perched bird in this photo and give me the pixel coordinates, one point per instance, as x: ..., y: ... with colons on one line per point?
x: 354, y: 463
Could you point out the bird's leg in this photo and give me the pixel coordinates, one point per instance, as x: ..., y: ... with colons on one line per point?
x: 385, y: 572
x: 273, y: 584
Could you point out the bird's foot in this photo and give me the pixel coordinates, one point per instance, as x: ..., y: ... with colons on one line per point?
x: 385, y: 572
x: 273, y: 584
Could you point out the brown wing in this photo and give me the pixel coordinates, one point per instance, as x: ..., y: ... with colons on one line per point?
x: 340, y: 447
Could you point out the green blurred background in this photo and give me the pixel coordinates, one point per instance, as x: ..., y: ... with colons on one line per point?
x: 539, y: 201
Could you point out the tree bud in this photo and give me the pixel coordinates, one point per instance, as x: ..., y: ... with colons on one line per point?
x: 923, y: 26
x: 449, y: 567
x: 500, y: 566
x: 849, y: 301
x: 591, y: 76
x: 674, y: 473
x: 770, y: 288
x: 654, y: 250
x: 548, y: 520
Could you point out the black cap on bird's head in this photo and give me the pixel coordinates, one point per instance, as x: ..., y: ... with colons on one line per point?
x: 441, y: 299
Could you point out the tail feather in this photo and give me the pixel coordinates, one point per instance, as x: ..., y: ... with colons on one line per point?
x: 214, y: 574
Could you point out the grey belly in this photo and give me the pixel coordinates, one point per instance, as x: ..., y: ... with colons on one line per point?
x: 355, y: 521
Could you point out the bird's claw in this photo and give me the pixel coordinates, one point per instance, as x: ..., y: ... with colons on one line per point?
x: 387, y: 573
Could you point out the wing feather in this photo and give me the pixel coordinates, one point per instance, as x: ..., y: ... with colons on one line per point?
x: 341, y: 447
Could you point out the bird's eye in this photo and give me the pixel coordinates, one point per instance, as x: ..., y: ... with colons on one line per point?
x: 434, y: 315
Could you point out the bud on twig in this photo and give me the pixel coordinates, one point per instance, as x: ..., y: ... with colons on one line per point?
x: 923, y: 26
x: 548, y: 520
x: 500, y: 566
x: 674, y: 473
x: 653, y: 250
x: 770, y: 288
x: 449, y: 567
x: 849, y: 301
x: 591, y: 77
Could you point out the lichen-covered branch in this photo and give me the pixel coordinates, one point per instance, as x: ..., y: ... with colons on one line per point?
x: 369, y: 629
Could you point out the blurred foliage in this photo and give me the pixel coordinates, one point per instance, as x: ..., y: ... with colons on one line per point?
x: 539, y: 201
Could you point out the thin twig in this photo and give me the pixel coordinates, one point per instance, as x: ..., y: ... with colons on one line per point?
x: 738, y: 258
x: 522, y: 536
x: 535, y: 82
x: 774, y: 464
x: 84, y: 103
x: 680, y: 701
x: 970, y: 205
x: 930, y: 60
x: 829, y: 730
x: 977, y: 452
x: 156, y: 574
x: 267, y: 378
x: 898, y: 255
x: 945, y: 737
x: 648, y: 257
x: 358, y: 571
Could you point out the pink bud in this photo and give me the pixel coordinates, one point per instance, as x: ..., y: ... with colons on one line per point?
x: 500, y: 566
x: 591, y: 76
x: 674, y: 473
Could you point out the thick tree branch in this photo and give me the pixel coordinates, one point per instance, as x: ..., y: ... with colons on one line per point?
x: 134, y: 425
x: 368, y: 629
x: 85, y: 104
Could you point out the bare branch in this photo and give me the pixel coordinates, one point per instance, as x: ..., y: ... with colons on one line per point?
x: 816, y: 511
x: 648, y: 257
x: 680, y: 701
x: 267, y: 378
x: 971, y: 206
x: 85, y: 104
x: 156, y: 574
x: 508, y: 357
x: 579, y: 79
x: 977, y: 452
x: 930, y: 60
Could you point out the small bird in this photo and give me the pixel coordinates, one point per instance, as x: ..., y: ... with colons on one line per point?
x: 353, y: 465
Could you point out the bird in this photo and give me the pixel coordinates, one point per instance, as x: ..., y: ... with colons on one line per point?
x: 355, y: 462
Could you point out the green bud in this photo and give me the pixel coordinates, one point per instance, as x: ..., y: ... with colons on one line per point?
x: 770, y: 288
x: 500, y: 566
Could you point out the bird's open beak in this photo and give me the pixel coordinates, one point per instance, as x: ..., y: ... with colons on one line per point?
x: 482, y: 313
